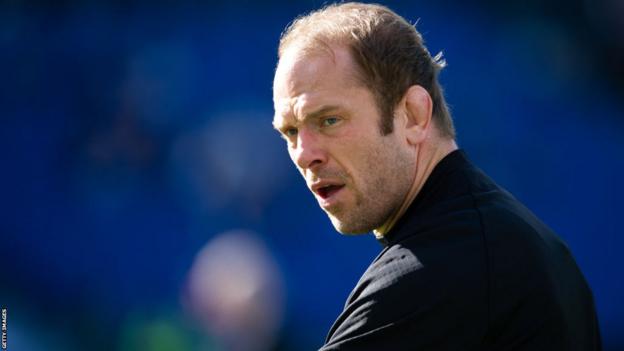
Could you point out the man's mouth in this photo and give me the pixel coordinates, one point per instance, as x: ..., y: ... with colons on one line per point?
x: 326, y: 192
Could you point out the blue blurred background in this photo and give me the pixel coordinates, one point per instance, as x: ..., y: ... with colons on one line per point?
x: 148, y: 205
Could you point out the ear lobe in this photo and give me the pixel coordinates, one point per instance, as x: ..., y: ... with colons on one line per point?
x: 418, y: 107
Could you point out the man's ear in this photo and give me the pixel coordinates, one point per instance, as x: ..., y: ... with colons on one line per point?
x: 418, y: 108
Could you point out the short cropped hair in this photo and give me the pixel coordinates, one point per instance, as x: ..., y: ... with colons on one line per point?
x: 389, y: 53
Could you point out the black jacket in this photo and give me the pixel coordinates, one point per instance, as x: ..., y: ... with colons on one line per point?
x: 468, y: 267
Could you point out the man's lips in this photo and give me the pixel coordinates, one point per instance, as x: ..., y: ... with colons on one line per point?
x: 326, y: 189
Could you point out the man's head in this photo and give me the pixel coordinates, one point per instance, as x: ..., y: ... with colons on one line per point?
x: 388, y: 51
x: 356, y: 111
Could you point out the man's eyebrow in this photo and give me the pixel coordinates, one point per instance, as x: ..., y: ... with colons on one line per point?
x: 321, y: 111
x: 312, y: 115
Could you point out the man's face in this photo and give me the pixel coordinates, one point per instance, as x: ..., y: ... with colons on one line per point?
x: 331, y: 124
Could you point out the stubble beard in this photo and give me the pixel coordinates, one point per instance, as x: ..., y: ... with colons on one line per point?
x: 382, y: 193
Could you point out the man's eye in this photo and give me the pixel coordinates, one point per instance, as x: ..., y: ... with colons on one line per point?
x: 290, y: 132
x: 330, y: 121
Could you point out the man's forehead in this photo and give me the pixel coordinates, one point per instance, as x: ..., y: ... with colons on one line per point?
x: 300, y: 66
x: 301, y: 74
x: 296, y: 71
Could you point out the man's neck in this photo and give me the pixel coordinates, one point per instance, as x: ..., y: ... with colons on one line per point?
x: 426, y: 159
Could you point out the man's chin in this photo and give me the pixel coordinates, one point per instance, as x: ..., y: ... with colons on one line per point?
x: 346, y: 228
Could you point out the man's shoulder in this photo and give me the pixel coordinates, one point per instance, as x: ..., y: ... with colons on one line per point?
x: 395, y: 267
x: 461, y: 247
x: 482, y: 210
x: 408, y: 292
x: 510, y: 228
x: 424, y: 271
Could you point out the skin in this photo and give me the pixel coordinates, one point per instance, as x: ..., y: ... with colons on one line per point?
x: 331, y: 125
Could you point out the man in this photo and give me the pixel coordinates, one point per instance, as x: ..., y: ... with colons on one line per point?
x: 465, y: 266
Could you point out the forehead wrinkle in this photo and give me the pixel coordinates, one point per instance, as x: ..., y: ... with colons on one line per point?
x: 299, y: 107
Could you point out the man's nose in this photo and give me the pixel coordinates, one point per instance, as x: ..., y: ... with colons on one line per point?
x: 308, y: 152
